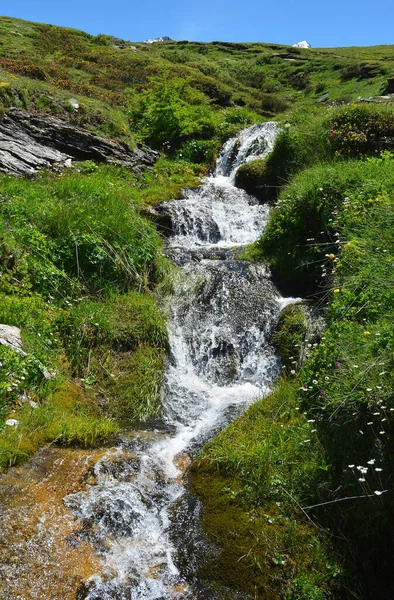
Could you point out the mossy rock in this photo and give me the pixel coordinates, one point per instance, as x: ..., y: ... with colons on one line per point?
x: 254, y: 551
x: 290, y: 335
x: 252, y: 177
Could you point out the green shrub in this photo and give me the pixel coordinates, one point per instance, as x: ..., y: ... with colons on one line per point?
x: 360, y: 129
x: 362, y: 71
x: 273, y: 104
x: 299, y: 237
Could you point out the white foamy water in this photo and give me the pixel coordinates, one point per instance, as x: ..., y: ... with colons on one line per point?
x: 221, y: 321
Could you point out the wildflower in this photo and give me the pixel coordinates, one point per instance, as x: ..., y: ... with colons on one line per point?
x: 292, y: 372
x: 313, y: 430
x: 336, y: 291
x: 371, y: 462
x: 315, y: 382
x: 370, y: 423
x: 367, y: 333
x: 378, y: 493
x: 362, y: 479
x: 311, y: 421
x: 351, y: 466
x: 363, y: 470
x: 331, y: 256
x: 382, y: 432
x: 327, y: 378
x: 369, y: 389
x: 378, y: 469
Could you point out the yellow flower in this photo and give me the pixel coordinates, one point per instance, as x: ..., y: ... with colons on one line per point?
x: 337, y: 290
x: 331, y: 256
x: 367, y: 333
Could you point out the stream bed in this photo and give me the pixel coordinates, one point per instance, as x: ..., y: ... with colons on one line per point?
x: 222, y: 315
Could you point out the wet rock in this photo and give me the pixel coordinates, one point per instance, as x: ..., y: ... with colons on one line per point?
x: 30, y: 143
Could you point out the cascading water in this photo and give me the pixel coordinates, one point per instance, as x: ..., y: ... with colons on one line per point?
x: 223, y: 313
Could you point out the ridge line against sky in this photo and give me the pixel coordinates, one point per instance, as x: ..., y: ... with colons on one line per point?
x: 338, y: 23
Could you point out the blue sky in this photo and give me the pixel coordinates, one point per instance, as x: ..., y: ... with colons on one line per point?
x: 323, y: 23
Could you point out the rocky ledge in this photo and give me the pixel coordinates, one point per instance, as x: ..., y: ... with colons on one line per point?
x: 31, y: 142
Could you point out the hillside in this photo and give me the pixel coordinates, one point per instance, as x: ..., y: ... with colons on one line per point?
x: 297, y: 493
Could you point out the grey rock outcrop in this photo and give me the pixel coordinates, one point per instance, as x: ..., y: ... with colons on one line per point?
x: 30, y: 143
x: 11, y: 336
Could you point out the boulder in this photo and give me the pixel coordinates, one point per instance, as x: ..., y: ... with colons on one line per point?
x: 31, y: 142
x: 11, y: 336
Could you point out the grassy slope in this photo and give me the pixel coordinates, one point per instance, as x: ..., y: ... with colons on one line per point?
x: 70, y: 276
x: 323, y: 438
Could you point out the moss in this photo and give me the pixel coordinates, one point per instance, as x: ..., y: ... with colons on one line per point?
x: 256, y: 551
x: 133, y: 384
x: 290, y: 334
x: 252, y: 177
x: 69, y: 416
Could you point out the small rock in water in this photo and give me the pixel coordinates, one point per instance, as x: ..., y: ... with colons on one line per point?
x: 12, y: 422
x: 303, y: 44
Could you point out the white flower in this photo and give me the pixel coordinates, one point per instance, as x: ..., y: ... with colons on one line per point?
x: 315, y: 382
x: 12, y: 423
x: 371, y: 462
x: 378, y: 493
x: 311, y: 420
x: 370, y: 423
x: 382, y: 432
x: 378, y: 469
x: 361, y: 479
x: 351, y: 466
x: 292, y: 372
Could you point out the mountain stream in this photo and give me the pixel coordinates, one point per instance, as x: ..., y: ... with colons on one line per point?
x: 221, y: 319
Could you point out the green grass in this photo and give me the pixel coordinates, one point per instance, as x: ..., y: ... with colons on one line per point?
x: 253, y: 479
x: 80, y: 265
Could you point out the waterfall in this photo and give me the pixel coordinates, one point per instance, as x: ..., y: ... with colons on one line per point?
x: 221, y: 320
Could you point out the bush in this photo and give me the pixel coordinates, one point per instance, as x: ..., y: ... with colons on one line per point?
x: 273, y: 104
x: 168, y: 114
x: 301, y: 228
x: 362, y: 71
x: 360, y: 130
